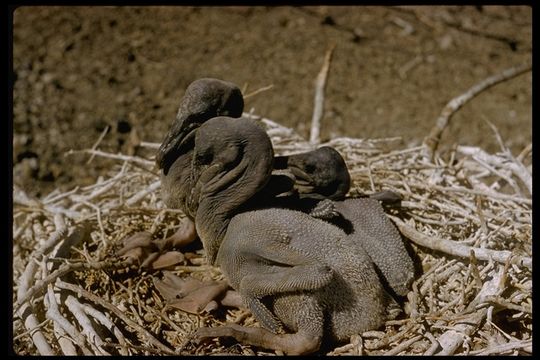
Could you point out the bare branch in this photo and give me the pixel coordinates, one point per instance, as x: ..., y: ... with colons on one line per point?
x: 28, y: 276
x: 320, y: 85
x: 454, y: 337
x: 431, y: 142
x: 117, y: 312
x: 133, y: 159
x: 403, y: 346
x: 63, y: 270
x: 92, y: 336
x: 64, y: 330
x: 253, y: 93
x: 525, y: 345
x: 141, y: 194
x: 511, y: 164
x: 149, y: 145
x: 456, y: 249
x: 96, y: 144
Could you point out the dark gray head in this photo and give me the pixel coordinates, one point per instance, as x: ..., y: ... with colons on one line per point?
x: 319, y: 174
x: 232, y: 161
x: 204, y: 99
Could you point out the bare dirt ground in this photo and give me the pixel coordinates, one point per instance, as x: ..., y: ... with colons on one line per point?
x: 78, y: 70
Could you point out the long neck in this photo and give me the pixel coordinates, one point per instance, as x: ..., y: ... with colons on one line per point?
x: 242, y: 165
x: 176, y: 184
x: 219, y: 203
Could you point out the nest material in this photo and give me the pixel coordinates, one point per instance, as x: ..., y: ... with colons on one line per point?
x: 468, y: 219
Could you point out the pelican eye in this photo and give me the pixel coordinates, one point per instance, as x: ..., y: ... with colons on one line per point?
x: 204, y: 158
x: 310, y: 168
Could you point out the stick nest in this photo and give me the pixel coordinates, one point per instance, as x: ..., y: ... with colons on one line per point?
x: 468, y: 219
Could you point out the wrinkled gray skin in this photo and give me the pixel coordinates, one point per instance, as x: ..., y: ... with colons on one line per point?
x: 204, y: 99
x: 382, y: 241
x: 317, y: 174
x: 290, y: 268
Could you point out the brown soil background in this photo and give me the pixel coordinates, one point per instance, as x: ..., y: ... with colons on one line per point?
x: 78, y: 70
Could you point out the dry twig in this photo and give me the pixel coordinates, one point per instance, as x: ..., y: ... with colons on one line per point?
x: 320, y: 85
x: 151, y: 339
x: 431, y: 142
x: 452, y: 206
x: 453, y: 248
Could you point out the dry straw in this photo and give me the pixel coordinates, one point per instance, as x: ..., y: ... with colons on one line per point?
x: 468, y: 218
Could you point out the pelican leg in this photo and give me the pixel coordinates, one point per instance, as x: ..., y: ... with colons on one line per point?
x: 264, y: 315
x: 286, y: 279
x: 324, y: 210
x: 291, y: 344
